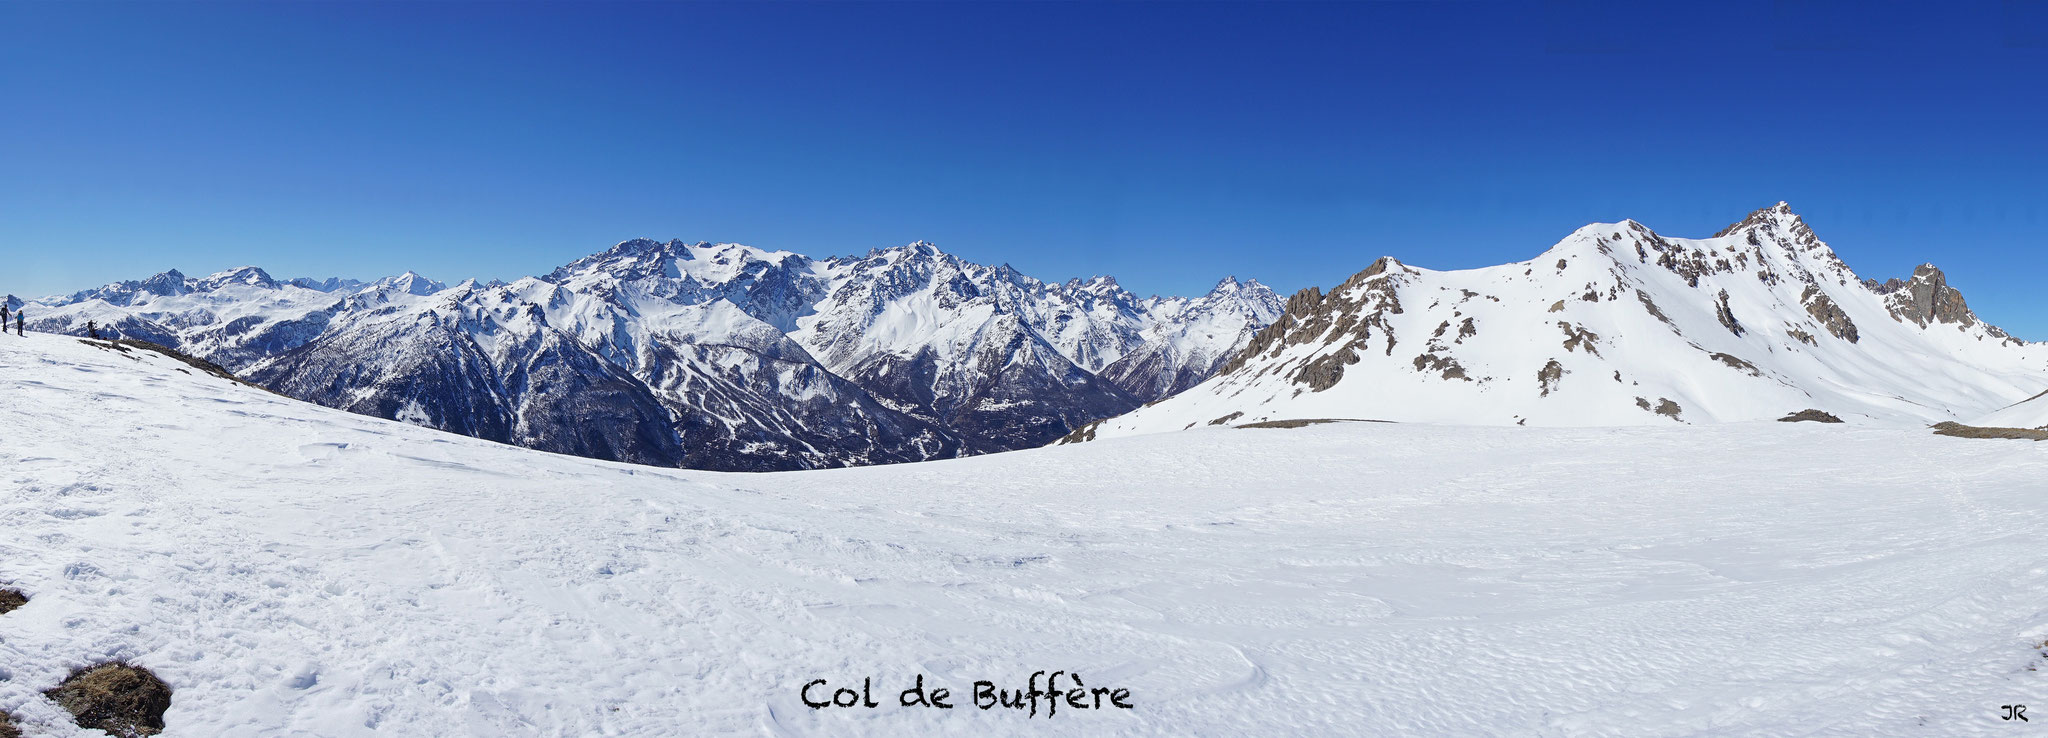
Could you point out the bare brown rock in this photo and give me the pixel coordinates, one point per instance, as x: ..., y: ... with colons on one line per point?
x: 1326, y: 370
x: 1651, y: 306
x: 1549, y: 376
x: 1664, y: 407
x: 1083, y: 434
x: 1737, y: 364
x: 1447, y: 366
x: 1828, y: 314
x: 1726, y: 315
x: 1576, y: 337
x: 1926, y: 299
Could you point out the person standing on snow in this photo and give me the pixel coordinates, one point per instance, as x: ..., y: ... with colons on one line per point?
x: 17, y: 325
x: 92, y: 329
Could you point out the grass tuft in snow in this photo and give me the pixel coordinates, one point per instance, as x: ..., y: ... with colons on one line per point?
x: 1959, y: 430
x: 125, y: 701
x: 11, y: 600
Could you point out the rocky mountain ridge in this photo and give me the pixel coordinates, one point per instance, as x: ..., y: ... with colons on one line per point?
x: 1619, y: 325
x: 717, y: 356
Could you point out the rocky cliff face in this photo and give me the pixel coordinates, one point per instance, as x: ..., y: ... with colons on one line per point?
x: 1927, y: 300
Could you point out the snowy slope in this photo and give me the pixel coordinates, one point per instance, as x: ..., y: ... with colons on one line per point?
x: 2029, y: 413
x: 291, y: 569
x: 712, y: 356
x: 1617, y: 325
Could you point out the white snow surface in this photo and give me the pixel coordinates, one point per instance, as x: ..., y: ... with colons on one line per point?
x: 291, y: 569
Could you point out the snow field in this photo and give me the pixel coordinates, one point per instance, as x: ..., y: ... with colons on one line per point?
x: 290, y: 569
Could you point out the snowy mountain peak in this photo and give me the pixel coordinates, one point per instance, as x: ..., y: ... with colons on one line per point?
x: 248, y: 275
x: 913, y: 251
x: 1776, y: 215
x: 166, y: 283
x: 1230, y: 285
x: 410, y: 283
x: 1617, y: 325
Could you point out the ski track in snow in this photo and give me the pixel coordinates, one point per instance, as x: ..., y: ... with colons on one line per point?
x: 290, y: 569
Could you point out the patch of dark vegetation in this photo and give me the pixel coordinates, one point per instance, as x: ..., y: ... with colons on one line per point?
x: 1958, y: 430
x: 123, y: 700
x: 1305, y: 422
x: 1226, y: 418
x: 7, y: 729
x: 1810, y: 415
x: 11, y: 600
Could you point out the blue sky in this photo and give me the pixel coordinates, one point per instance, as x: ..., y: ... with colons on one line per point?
x: 1166, y: 144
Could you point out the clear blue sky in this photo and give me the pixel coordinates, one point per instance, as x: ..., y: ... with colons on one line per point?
x: 1165, y: 144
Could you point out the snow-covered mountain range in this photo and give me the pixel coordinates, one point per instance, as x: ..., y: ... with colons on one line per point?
x: 1619, y: 325
x: 713, y: 356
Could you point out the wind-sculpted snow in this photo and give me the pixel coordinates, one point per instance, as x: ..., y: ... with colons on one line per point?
x: 711, y: 356
x: 1618, y: 325
x: 289, y: 569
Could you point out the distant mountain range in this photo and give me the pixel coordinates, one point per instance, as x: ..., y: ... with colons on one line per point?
x: 710, y: 356
x: 1619, y: 325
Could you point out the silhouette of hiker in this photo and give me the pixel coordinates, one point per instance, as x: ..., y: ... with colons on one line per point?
x: 3, y: 318
x: 17, y: 325
x: 92, y: 329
